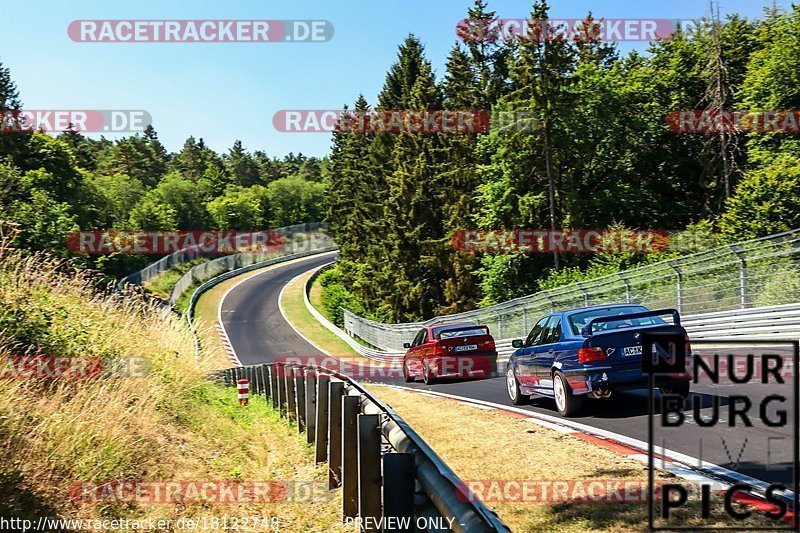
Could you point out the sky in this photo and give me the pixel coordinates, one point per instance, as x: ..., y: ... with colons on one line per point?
x: 228, y: 91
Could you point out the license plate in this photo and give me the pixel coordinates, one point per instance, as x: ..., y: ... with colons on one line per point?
x: 632, y: 350
x: 466, y: 348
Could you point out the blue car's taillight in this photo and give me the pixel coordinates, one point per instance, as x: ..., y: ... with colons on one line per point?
x: 590, y: 353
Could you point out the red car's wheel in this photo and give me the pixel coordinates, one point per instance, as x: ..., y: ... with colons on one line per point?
x: 427, y: 374
x: 407, y: 373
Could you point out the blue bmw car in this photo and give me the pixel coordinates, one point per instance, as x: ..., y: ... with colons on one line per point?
x: 589, y: 353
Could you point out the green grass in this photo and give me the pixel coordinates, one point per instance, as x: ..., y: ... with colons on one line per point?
x: 161, y: 286
x: 294, y: 308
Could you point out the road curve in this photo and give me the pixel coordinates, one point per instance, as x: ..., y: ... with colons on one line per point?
x: 259, y: 333
x: 250, y: 313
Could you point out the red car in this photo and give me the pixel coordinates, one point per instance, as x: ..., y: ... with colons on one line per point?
x: 452, y: 351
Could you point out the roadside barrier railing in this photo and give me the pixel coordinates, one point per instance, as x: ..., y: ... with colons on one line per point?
x: 758, y: 274
x: 382, y: 466
x: 298, y: 238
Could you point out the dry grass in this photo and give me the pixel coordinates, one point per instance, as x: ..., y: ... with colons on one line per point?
x: 490, y: 445
x: 169, y: 424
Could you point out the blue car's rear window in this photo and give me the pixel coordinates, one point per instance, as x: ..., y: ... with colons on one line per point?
x: 579, y: 320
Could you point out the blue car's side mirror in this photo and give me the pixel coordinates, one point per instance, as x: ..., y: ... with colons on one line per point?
x: 406, y: 345
x: 517, y: 343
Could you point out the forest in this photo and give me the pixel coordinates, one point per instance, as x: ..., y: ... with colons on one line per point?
x: 600, y: 154
x: 51, y: 186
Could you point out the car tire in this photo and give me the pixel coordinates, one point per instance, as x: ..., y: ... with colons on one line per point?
x: 407, y: 374
x: 427, y: 375
x: 512, y: 386
x: 679, y: 388
x: 567, y: 403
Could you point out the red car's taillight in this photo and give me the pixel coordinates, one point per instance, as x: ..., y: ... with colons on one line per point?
x: 590, y: 353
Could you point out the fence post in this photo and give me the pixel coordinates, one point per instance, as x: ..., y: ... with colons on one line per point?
x: 499, y: 326
x: 300, y: 389
x: 627, y: 283
x: 311, y: 405
x: 552, y: 303
x: 679, y: 279
x: 742, y: 276
x: 525, y: 329
x: 336, y: 389
x: 398, y: 486
x: 585, y: 293
x: 321, y: 439
x: 291, y: 402
x: 351, y: 405
x: 369, y: 468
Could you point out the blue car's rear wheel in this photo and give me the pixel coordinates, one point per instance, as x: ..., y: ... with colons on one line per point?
x: 567, y: 403
x: 517, y: 398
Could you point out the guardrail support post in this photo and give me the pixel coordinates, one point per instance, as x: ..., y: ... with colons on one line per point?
x: 321, y: 439
x: 398, y: 486
x: 300, y: 390
x: 264, y: 371
x: 255, y: 382
x: 351, y: 405
x: 291, y: 398
x: 273, y: 386
x: 311, y: 406
x: 281, y: 382
x: 336, y: 389
x: 369, y: 468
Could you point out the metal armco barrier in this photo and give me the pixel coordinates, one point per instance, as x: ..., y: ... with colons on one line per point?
x: 383, y: 467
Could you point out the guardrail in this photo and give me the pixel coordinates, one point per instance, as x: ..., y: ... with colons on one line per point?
x: 297, y: 238
x: 383, y: 467
x: 755, y: 274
